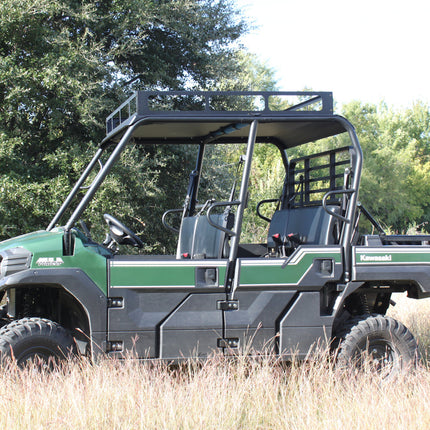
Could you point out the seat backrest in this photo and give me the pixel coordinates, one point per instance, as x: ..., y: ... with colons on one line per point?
x: 313, y: 224
x: 199, y: 239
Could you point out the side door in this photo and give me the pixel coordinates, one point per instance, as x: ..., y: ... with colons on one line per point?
x: 164, y: 307
x: 280, y: 302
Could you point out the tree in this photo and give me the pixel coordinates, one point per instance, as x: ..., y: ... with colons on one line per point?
x: 396, y: 149
x: 66, y: 64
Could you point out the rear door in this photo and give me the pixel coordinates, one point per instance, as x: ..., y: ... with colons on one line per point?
x: 280, y: 301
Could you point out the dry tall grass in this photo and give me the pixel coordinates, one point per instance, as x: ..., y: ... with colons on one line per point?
x: 415, y: 314
x: 247, y: 394
x: 219, y: 393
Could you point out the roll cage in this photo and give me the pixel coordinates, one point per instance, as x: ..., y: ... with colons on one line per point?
x: 200, y: 118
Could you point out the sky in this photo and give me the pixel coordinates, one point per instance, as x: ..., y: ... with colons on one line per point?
x: 368, y: 50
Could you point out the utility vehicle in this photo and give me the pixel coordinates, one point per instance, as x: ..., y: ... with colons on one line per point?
x: 316, y: 278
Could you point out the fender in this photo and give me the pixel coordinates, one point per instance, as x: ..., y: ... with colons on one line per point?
x: 78, y: 284
x: 414, y: 274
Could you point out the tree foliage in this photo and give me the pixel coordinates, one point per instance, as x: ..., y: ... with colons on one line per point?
x: 396, y: 150
x: 66, y: 64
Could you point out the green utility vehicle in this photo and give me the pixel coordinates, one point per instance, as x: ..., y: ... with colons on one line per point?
x: 316, y: 278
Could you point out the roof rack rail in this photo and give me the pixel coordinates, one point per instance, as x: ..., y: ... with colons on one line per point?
x: 213, y: 103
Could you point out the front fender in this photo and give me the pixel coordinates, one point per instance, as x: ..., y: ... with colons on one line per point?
x: 76, y: 282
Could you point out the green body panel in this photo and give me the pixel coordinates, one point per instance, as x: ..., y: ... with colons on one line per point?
x: 182, y: 273
x: 154, y: 274
x: 47, y: 250
x: 37, y: 240
x: 276, y: 272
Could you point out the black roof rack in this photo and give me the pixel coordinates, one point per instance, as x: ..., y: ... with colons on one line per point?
x: 289, y: 118
x: 215, y: 103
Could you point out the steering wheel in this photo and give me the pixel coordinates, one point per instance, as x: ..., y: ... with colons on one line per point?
x: 120, y: 233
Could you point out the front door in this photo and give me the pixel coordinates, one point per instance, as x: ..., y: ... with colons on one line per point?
x: 162, y: 307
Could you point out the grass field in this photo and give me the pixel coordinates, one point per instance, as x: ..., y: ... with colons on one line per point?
x: 221, y: 393
x: 415, y: 314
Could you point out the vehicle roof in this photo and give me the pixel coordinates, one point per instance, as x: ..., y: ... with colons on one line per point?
x: 196, y: 116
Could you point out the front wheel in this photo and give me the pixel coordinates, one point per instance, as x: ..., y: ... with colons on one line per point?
x: 381, y: 342
x: 36, y: 340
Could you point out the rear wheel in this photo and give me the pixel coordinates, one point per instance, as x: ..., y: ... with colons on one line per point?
x: 377, y: 341
x: 36, y: 340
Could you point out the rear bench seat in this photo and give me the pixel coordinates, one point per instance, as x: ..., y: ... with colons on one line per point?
x: 313, y: 225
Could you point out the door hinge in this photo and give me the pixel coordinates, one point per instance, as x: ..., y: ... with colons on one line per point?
x: 114, y: 346
x: 227, y: 305
x: 115, y: 302
x: 231, y: 342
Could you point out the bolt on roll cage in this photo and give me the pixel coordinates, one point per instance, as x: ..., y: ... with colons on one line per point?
x: 206, y: 117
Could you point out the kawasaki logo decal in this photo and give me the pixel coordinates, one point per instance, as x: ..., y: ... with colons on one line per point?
x: 49, y: 261
x: 387, y: 257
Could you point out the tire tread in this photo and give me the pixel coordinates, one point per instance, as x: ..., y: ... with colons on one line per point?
x: 360, y: 327
x: 18, y: 331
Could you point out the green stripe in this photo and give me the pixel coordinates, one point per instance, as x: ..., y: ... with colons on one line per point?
x: 270, y: 274
x: 157, y: 276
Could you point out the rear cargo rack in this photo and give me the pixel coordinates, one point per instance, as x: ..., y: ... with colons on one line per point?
x: 210, y: 103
